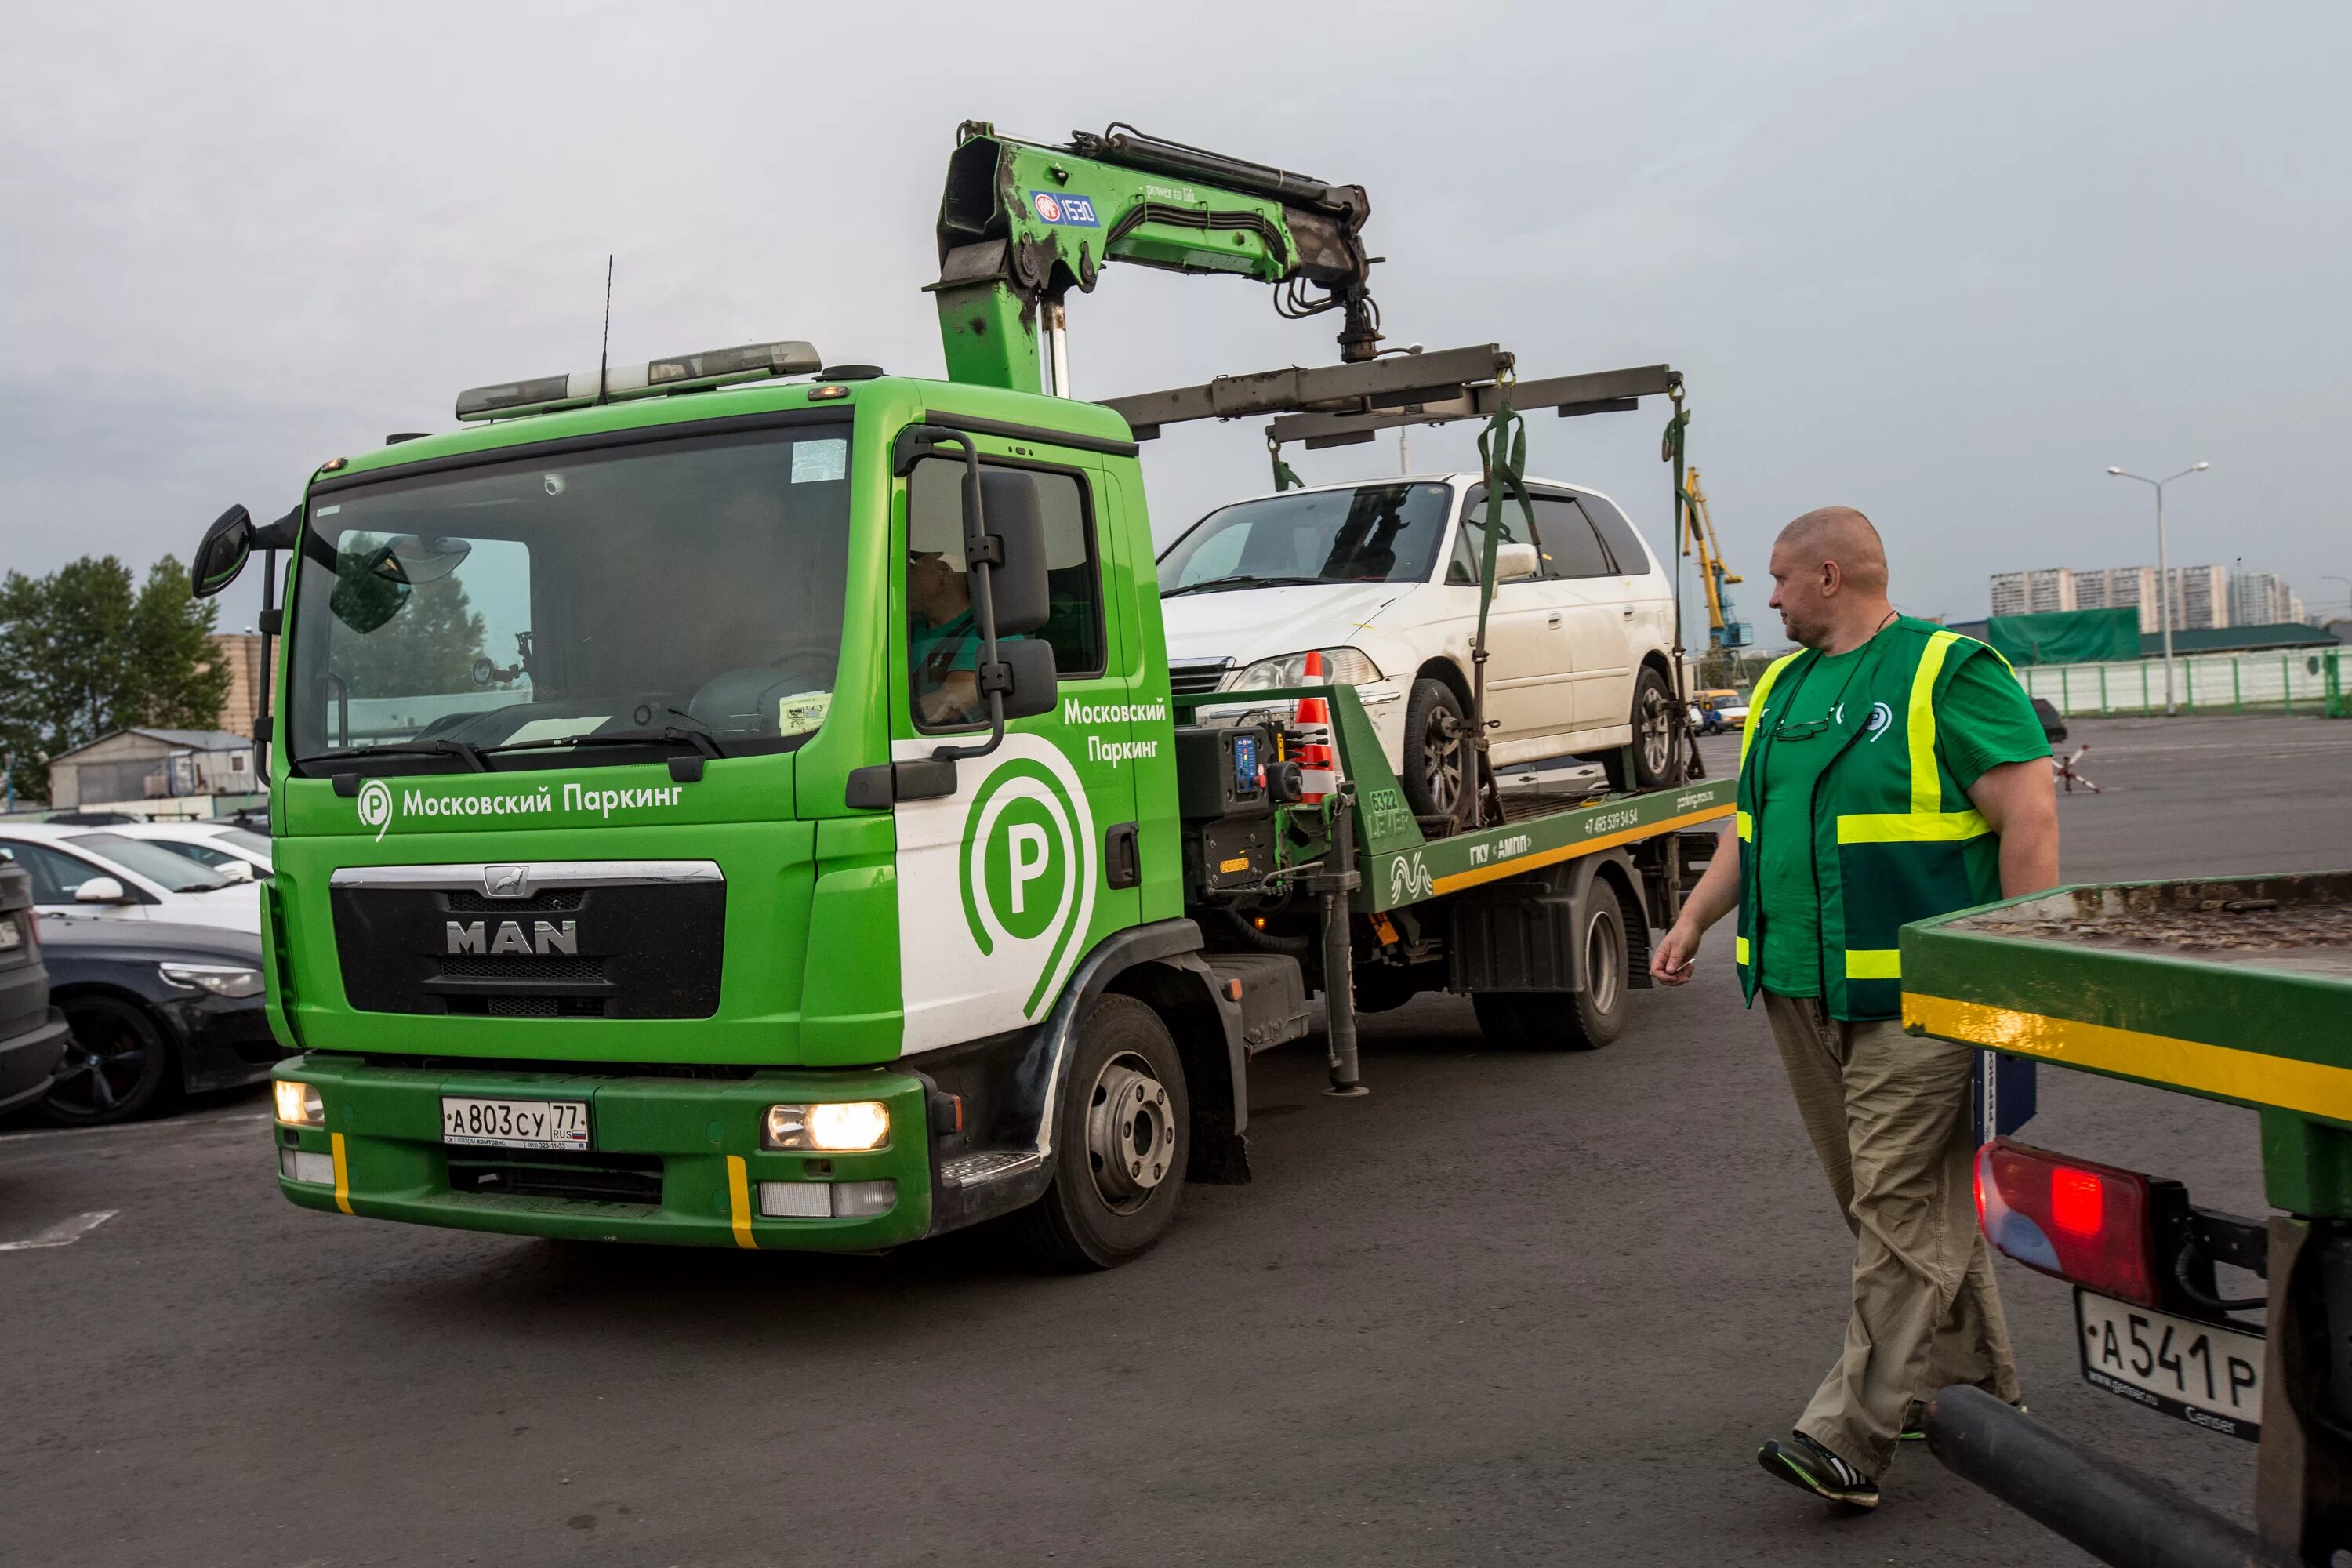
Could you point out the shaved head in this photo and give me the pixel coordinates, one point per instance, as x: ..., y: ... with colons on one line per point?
x: 1841, y: 534
x: 1829, y: 579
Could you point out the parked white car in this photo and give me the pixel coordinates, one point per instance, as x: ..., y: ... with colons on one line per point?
x: 1383, y: 577
x: 98, y: 871
x: 237, y: 853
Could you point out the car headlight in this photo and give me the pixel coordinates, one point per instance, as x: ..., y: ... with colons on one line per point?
x: 833, y: 1126
x: 299, y: 1104
x: 1341, y: 667
x: 220, y: 979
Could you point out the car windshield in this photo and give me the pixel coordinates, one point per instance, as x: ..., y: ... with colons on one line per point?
x: 235, y: 867
x: 245, y: 838
x: 693, y: 585
x: 175, y: 873
x: 1371, y: 533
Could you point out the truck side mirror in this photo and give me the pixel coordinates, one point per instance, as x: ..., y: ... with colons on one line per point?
x: 1030, y: 662
x: 1012, y: 551
x: 222, y: 553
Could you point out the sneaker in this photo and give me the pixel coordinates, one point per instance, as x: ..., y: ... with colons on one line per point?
x: 1801, y: 1462
x: 1914, y: 1420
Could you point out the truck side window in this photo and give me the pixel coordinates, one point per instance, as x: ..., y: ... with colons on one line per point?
x: 1570, y: 548
x: 1470, y: 540
x: 944, y: 642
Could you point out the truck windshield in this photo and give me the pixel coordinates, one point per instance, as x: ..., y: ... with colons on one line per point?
x: 1371, y: 533
x: 693, y: 585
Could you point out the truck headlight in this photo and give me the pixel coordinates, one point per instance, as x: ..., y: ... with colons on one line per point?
x: 833, y: 1126
x: 1341, y: 667
x: 299, y: 1104
x: 220, y: 979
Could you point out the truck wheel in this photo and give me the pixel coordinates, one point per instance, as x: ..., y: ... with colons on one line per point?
x: 116, y: 1065
x: 1653, y: 736
x: 1123, y: 1134
x: 1438, y: 754
x: 1568, y: 1021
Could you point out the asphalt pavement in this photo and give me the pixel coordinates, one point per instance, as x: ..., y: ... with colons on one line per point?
x: 1511, y: 1308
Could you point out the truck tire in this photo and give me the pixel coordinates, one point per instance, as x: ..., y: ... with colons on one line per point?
x: 1122, y: 1132
x: 1653, y: 737
x: 1583, y: 1020
x: 1439, y: 758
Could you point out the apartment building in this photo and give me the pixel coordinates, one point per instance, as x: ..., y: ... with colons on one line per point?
x: 2032, y: 593
x: 2262, y: 599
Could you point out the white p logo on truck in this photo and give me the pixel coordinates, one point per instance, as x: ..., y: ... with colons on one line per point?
x: 1029, y: 869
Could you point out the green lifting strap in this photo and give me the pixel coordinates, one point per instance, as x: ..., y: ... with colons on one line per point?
x: 1285, y: 477
x: 1503, y: 458
x: 1670, y: 450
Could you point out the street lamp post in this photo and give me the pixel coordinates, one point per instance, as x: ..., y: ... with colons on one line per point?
x: 2163, y: 566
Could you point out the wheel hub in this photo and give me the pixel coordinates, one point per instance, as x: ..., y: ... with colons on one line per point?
x: 1130, y: 1132
x: 1656, y: 738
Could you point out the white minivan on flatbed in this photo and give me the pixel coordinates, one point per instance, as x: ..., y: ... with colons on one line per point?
x: 1381, y: 577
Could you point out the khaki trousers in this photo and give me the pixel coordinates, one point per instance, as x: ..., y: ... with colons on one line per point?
x: 1888, y: 1115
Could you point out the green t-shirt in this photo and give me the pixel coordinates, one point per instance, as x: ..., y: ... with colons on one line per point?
x: 1983, y: 721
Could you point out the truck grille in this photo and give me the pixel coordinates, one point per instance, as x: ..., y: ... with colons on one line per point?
x: 625, y: 949
x: 535, y: 1173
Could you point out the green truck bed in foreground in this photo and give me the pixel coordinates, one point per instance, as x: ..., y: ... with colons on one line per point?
x: 2236, y: 989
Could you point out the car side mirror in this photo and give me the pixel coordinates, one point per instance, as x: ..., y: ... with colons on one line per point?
x: 1516, y: 562
x: 1030, y: 661
x: 100, y: 891
x: 1013, y: 551
x: 222, y: 553
x: 235, y: 870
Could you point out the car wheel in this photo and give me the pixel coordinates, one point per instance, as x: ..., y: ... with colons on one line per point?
x: 1123, y: 1134
x: 1653, y: 737
x: 116, y: 1065
x: 1568, y: 1021
x: 1439, y: 759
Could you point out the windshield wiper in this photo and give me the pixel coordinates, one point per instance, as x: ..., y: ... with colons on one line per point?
x: 1246, y: 581
x: 699, y: 738
x: 470, y: 755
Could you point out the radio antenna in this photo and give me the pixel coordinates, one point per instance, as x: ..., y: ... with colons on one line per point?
x: 605, y: 348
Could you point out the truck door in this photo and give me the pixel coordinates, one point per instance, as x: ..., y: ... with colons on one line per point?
x: 1003, y: 886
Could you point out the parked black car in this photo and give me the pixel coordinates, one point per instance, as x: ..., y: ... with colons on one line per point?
x: 2053, y: 723
x: 32, y: 1030
x: 157, y: 1011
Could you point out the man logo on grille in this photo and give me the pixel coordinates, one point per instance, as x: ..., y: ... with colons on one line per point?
x: 1028, y: 868
x: 375, y: 806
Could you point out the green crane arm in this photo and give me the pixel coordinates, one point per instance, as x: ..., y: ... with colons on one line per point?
x: 1021, y: 224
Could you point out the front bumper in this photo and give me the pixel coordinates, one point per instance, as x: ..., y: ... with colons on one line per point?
x: 683, y: 1155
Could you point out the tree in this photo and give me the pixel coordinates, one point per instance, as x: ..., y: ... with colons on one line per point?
x: 81, y: 655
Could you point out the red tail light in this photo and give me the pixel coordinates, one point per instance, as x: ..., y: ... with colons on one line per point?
x: 2091, y: 1224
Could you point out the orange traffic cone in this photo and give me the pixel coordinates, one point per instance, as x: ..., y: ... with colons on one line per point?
x: 1319, y: 773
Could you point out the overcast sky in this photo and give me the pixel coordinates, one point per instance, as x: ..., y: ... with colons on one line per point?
x: 1945, y: 263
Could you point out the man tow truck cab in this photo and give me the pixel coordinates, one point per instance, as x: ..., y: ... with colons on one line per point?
x: 736, y: 802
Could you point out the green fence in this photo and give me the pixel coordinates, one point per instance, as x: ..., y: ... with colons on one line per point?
x: 2292, y: 680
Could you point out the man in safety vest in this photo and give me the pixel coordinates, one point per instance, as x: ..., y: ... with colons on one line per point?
x: 1889, y: 771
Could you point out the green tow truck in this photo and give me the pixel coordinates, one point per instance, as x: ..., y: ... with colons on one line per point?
x: 719, y: 803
